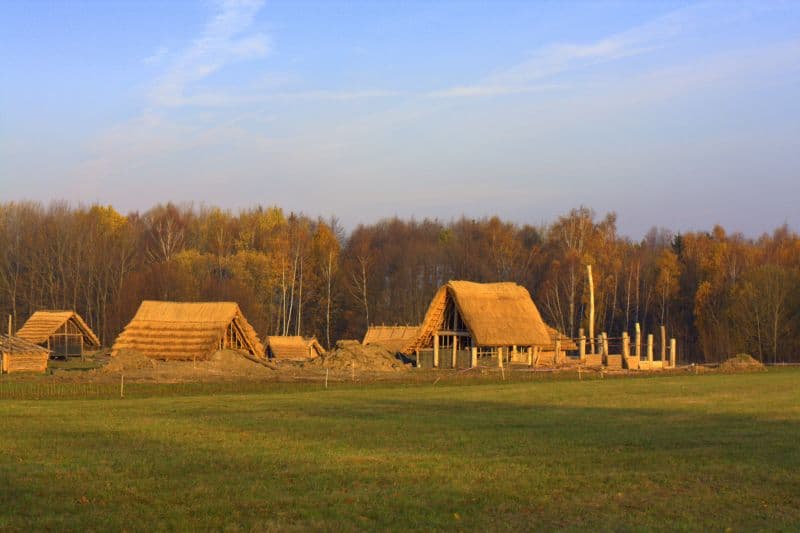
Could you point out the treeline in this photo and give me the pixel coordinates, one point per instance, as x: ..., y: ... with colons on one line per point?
x: 717, y: 293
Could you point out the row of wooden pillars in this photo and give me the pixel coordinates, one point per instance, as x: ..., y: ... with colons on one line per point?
x: 602, y: 343
x: 502, y: 353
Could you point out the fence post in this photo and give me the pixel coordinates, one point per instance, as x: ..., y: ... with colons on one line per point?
x: 582, y: 347
x: 650, y: 347
x: 672, y: 353
x: 664, y: 344
x: 435, y: 350
x: 500, y: 357
x: 474, y: 360
x: 626, y: 345
x: 638, y: 343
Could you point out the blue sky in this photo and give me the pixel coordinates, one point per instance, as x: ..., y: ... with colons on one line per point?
x: 674, y: 114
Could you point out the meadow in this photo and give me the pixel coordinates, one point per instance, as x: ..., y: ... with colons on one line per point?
x: 713, y: 451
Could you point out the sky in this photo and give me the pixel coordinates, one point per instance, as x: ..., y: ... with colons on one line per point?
x: 673, y: 114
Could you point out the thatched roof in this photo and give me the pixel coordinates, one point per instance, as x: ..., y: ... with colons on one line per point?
x: 17, y: 345
x: 42, y: 324
x: 496, y: 314
x: 294, y: 348
x: 186, y: 331
x: 393, y: 338
x: 566, y: 342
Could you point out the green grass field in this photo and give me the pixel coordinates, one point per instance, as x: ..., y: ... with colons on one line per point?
x: 681, y: 452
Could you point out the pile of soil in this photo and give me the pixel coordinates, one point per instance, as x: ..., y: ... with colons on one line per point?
x: 742, y: 362
x: 127, y: 361
x: 370, y: 357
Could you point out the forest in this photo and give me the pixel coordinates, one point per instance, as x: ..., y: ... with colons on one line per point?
x: 718, y: 293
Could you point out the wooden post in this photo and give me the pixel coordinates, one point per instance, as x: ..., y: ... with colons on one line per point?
x: 455, y: 353
x: 354, y: 370
x: 591, y: 306
x: 416, y: 353
x: 326, y: 378
x: 672, y: 353
x: 558, y: 351
x: 638, y: 344
x: 582, y: 347
x: 605, y: 343
x: 500, y: 357
x: 626, y: 345
x: 10, y: 328
x: 435, y: 350
x: 122, y: 385
x: 530, y: 356
x: 650, y: 347
x: 474, y: 362
x: 664, y: 344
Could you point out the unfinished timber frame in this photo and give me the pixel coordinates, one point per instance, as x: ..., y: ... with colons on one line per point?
x: 63, y: 333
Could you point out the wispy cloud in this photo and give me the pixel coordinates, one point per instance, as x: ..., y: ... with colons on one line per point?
x: 552, y: 60
x: 224, y: 40
x: 157, y: 57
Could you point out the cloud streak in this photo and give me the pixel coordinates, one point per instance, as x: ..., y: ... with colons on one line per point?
x: 224, y: 40
x: 556, y: 59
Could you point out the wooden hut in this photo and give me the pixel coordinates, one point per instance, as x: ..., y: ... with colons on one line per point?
x: 467, y: 322
x: 394, y: 338
x: 20, y: 355
x: 64, y: 333
x: 188, y: 331
x: 293, y: 348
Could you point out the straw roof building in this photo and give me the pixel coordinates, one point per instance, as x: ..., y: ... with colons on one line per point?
x: 393, y: 338
x: 20, y: 355
x: 63, y: 332
x: 188, y: 331
x: 293, y: 348
x: 567, y: 343
x: 468, y: 319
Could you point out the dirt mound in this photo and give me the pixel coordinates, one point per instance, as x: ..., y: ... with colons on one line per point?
x: 371, y: 357
x: 742, y: 362
x: 126, y: 361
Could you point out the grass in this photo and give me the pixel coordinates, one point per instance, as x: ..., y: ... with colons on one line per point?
x: 712, y: 451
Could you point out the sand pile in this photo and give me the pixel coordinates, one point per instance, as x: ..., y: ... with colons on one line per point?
x: 370, y: 357
x: 126, y: 361
x: 742, y: 362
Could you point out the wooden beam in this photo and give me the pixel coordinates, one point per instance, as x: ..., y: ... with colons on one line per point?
x: 591, y: 306
x: 673, y: 354
x: 452, y: 333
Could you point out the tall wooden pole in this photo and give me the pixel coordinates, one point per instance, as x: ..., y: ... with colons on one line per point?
x: 672, y: 353
x: 664, y: 343
x: 591, y: 306
x: 638, y: 340
x: 10, y: 329
x: 650, y: 347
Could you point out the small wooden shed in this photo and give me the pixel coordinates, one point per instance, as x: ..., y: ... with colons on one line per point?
x: 293, y: 348
x: 64, y: 333
x: 19, y: 355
